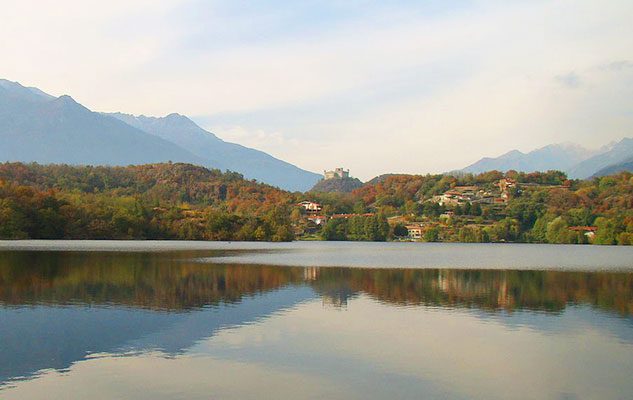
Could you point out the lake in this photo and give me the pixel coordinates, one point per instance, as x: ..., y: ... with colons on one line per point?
x: 314, y: 320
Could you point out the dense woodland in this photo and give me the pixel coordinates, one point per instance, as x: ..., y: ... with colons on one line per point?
x: 156, y: 201
x: 182, y: 201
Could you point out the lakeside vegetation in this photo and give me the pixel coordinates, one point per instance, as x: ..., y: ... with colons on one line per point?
x: 154, y: 201
x: 186, y: 202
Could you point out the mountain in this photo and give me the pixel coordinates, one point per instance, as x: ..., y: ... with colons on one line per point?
x: 35, y: 126
x: 615, y: 154
x: 626, y: 165
x: 552, y: 157
x: 253, y: 164
x: 340, y: 185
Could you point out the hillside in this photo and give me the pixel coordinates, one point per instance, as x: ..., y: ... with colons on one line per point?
x: 154, y: 201
x: 337, y: 185
x: 37, y: 127
x: 491, y: 207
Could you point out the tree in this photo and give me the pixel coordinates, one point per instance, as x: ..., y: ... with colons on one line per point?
x: 283, y: 234
x: 558, y: 231
x: 606, y: 233
x: 476, y: 209
x: 335, y: 229
x: 400, y: 230
x: 506, y: 230
x: 432, y: 234
x: 470, y: 234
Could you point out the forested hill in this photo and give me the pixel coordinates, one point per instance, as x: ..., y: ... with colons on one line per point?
x: 183, y: 201
x: 168, y: 182
x: 167, y: 201
x: 539, y: 207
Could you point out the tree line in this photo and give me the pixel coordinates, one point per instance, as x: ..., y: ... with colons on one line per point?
x: 187, y: 202
x: 158, y: 201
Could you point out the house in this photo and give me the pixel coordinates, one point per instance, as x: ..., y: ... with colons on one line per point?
x: 459, y: 195
x: 504, y: 185
x: 414, y: 231
x: 318, y: 219
x: 310, y: 207
x: 450, y: 197
x: 589, y: 231
x: 338, y: 173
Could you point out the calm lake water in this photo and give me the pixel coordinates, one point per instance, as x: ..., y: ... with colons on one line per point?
x: 182, y: 320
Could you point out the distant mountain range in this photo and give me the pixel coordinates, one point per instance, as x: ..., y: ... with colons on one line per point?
x: 610, y: 157
x: 615, y: 168
x: 577, y: 161
x: 35, y: 126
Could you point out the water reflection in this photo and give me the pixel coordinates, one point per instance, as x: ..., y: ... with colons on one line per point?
x: 172, y: 282
x: 60, y: 307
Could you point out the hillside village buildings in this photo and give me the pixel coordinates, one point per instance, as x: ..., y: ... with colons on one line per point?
x: 487, y: 197
x: 414, y: 231
x: 464, y: 194
x: 474, y: 194
x: 311, y: 207
x: 588, y: 231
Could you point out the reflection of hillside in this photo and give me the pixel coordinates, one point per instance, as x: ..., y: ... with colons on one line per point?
x: 489, y: 289
x: 165, y: 281
x: 154, y: 281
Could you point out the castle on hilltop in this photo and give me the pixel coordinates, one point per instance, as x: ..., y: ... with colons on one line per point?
x: 338, y: 173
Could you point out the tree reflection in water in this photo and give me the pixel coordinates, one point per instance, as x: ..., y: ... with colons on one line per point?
x: 171, y: 281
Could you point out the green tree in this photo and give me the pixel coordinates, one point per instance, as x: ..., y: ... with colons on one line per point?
x: 558, y: 232
x: 335, y: 229
x: 506, y: 230
x: 432, y: 234
x: 607, y: 231
x: 400, y: 230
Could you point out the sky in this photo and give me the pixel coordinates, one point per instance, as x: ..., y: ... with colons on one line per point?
x: 373, y: 86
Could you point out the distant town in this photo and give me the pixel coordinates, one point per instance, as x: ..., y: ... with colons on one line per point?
x: 472, y: 209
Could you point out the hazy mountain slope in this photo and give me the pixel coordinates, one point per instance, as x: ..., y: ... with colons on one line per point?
x: 618, y: 153
x: 38, y: 127
x: 627, y: 165
x: 35, y: 126
x: 16, y: 91
x: 253, y: 164
x: 552, y: 157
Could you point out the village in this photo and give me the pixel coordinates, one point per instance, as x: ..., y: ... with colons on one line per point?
x: 461, y: 209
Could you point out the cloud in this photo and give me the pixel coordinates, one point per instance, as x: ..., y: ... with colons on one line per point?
x: 404, y: 86
x: 257, y: 138
x: 570, y: 80
x: 618, y: 66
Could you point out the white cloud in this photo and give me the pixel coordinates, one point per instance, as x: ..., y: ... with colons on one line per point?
x: 378, y: 90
